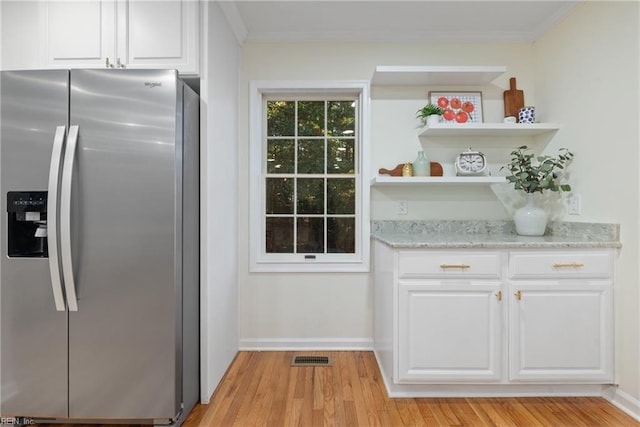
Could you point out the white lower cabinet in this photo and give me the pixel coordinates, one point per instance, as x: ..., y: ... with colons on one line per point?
x: 507, y: 317
x: 449, y: 332
x: 561, y: 323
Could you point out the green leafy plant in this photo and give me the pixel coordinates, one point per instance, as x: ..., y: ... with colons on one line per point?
x: 542, y: 175
x: 428, y: 110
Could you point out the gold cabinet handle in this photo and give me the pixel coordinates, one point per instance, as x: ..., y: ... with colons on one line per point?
x: 499, y: 295
x: 518, y: 295
x: 568, y: 265
x: 462, y: 266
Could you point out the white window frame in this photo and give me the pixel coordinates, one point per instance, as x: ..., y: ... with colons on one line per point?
x: 259, y: 260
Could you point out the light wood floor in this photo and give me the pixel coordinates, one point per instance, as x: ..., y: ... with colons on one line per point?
x: 261, y: 389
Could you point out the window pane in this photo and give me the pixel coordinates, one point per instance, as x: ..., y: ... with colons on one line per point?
x: 279, y: 235
x: 311, y: 196
x: 341, y: 235
x: 341, y: 120
x: 280, y: 156
x: 310, y: 161
x: 310, y: 235
x: 311, y: 118
x: 279, y: 195
x: 281, y: 118
x: 341, y: 196
x: 340, y: 156
x: 311, y: 156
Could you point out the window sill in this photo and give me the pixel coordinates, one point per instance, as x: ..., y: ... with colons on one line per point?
x: 309, y: 267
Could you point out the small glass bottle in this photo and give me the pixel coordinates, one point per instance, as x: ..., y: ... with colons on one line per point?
x: 421, y: 166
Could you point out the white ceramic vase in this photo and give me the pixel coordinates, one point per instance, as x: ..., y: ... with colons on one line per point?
x: 433, y: 119
x: 531, y: 219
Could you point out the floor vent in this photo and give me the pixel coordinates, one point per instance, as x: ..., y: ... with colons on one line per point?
x: 311, y: 361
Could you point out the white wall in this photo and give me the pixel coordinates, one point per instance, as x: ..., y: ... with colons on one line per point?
x: 335, y: 310
x: 219, y: 95
x: 587, y: 78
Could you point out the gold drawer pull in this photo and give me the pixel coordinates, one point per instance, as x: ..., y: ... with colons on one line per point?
x: 569, y: 265
x: 518, y: 295
x: 499, y: 295
x: 462, y: 266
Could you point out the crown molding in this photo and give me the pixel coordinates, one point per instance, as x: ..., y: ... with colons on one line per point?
x: 233, y: 17
x: 389, y: 36
x: 554, y: 19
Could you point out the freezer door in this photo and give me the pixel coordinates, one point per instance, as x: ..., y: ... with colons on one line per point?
x: 33, y: 334
x: 124, y: 345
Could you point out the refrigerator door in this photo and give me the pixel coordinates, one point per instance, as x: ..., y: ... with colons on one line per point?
x: 33, y: 334
x: 124, y: 344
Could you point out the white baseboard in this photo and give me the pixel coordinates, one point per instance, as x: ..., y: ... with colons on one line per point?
x: 624, y: 401
x: 311, y: 344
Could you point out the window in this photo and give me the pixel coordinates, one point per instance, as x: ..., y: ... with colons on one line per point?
x: 308, y: 201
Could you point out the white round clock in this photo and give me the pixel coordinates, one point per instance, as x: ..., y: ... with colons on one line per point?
x: 470, y: 163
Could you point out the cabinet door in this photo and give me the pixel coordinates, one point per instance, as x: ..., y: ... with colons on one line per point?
x: 159, y: 34
x: 77, y: 33
x: 561, y: 331
x: 20, y: 35
x: 449, y: 332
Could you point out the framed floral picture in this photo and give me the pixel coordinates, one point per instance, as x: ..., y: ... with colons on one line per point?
x: 459, y: 107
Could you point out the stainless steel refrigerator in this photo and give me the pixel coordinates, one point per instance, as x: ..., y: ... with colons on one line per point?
x: 99, y: 280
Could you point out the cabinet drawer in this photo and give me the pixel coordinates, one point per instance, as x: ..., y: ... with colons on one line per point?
x: 417, y: 264
x: 564, y: 264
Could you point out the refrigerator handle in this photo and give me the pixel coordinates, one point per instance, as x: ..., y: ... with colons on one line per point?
x: 52, y: 218
x: 65, y: 218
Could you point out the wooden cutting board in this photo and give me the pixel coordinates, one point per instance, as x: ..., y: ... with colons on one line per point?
x: 513, y: 99
x: 435, y: 167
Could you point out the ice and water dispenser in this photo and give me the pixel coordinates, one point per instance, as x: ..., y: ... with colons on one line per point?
x: 27, y: 215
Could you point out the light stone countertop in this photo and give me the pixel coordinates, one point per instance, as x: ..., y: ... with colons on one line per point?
x: 452, y: 234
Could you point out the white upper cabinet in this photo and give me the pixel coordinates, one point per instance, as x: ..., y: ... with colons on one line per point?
x: 120, y: 34
x: 159, y: 34
x: 77, y: 34
x: 19, y: 35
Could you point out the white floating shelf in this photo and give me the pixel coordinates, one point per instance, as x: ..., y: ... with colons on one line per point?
x: 436, y: 75
x: 422, y: 180
x: 488, y: 129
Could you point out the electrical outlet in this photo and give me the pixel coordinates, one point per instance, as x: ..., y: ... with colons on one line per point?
x: 403, y: 207
x: 574, y: 204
